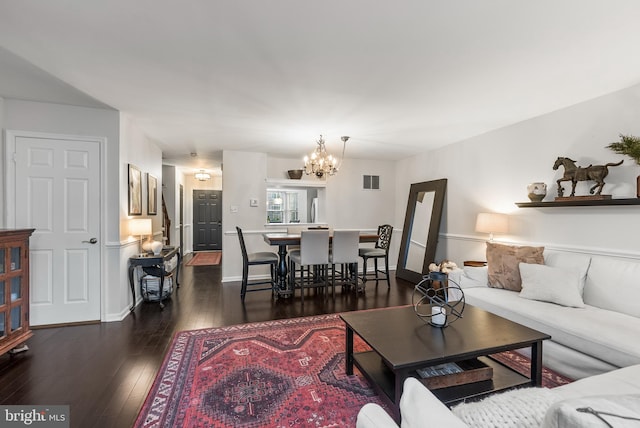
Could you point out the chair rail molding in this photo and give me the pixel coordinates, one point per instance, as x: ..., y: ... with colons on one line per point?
x: 606, y: 252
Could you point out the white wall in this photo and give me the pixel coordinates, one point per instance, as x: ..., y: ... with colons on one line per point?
x: 491, y: 172
x: 139, y: 150
x: 243, y: 178
x: 277, y: 167
x: 349, y: 206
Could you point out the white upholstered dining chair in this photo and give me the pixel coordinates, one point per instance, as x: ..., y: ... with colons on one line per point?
x: 313, y: 259
x: 344, y: 252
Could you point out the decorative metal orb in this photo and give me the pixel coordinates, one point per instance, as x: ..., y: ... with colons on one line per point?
x: 438, y: 300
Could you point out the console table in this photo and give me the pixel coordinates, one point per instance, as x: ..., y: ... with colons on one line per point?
x: 155, y: 262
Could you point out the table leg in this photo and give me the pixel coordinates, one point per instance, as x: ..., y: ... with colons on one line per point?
x: 399, y: 385
x: 349, y: 351
x: 178, y: 269
x: 161, y: 285
x: 133, y: 288
x: 353, y: 275
x: 536, y: 364
x: 283, y: 286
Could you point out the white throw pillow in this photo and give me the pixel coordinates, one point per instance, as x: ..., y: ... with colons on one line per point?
x: 418, y: 406
x: 522, y: 408
x: 579, y: 262
x: 551, y: 284
x: 473, y: 276
x: 565, y: 414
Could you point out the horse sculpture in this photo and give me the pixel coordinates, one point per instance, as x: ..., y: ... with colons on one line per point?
x: 575, y: 173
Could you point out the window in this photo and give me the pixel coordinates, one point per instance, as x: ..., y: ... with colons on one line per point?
x: 282, y: 207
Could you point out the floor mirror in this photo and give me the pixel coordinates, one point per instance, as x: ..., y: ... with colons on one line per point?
x: 421, y: 228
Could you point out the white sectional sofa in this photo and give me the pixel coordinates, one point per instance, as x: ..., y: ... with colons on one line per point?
x: 601, y: 336
x: 616, y: 392
x: 590, y: 306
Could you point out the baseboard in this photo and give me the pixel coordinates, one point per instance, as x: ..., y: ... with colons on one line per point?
x: 64, y: 324
x: 122, y: 314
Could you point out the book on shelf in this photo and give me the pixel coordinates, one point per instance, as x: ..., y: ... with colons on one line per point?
x: 439, y: 370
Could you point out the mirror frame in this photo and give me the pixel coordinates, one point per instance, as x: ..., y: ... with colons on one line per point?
x: 439, y: 187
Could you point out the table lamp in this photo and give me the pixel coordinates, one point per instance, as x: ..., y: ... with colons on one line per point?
x: 492, y: 223
x: 140, y: 227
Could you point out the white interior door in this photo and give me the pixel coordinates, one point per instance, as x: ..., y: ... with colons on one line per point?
x: 57, y: 192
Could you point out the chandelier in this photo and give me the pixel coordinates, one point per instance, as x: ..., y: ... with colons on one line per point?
x: 202, y: 175
x: 321, y: 163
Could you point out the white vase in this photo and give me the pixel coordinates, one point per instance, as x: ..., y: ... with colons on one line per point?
x: 156, y: 247
x: 537, y: 191
x: 146, y: 245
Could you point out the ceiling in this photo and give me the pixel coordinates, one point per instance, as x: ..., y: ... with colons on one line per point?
x: 399, y: 78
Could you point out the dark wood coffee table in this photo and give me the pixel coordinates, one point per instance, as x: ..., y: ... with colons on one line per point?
x: 401, y: 343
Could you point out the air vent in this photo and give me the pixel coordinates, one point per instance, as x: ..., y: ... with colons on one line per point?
x: 371, y: 182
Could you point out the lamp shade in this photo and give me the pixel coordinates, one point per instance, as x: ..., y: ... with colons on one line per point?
x: 492, y: 223
x: 140, y: 226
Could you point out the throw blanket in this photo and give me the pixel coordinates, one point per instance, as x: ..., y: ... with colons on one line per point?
x: 522, y: 408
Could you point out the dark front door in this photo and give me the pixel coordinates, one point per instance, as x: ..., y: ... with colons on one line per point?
x: 207, y: 220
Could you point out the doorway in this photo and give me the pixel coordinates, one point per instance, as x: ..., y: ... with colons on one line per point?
x: 207, y: 220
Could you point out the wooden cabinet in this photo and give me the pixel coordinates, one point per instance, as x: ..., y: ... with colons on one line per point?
x: 14, y: 288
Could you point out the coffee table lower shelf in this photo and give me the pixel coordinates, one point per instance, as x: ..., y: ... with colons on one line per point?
x: 383, y: 379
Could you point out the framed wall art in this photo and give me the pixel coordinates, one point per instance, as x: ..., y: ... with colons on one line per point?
x: 135, y: 190
x: 152, y: 192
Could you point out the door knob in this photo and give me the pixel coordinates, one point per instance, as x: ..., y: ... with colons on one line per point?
x: 91, y: 241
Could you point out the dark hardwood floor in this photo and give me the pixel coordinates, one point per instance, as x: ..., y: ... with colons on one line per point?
x: 104, y: 371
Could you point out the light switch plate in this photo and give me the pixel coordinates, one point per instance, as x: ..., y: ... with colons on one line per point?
x: 253, y: 202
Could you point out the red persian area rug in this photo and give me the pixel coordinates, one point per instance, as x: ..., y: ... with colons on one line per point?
x: 205, y: 259
x: 522, y: 365
x: 272, y: 374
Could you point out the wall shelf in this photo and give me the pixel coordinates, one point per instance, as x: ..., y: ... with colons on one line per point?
x: 284, y: 182
x: 580, y: 203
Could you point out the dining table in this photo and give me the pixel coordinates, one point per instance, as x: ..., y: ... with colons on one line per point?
x: 282, y: 240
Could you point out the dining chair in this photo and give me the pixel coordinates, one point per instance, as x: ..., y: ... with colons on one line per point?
x: 294, y: 230
x: 380, y: 251
x: 344, y: 252
x: 312, y: 255
x: 254, y: 259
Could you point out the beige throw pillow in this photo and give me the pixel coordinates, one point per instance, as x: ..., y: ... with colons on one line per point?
x: 503, y: 261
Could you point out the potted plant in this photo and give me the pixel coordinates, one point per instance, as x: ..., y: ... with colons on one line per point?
x: 630, y: 146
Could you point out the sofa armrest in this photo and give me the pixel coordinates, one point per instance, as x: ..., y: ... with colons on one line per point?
x: 373, y: 416
x: 420, y: 408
